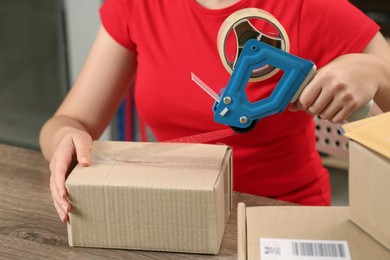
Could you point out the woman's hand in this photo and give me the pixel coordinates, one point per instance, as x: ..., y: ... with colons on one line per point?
x: 341, y: 87
x: 74, y: 145
x: 348, y: 83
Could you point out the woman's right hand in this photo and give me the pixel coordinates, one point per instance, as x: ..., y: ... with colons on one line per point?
x: 75, y: 145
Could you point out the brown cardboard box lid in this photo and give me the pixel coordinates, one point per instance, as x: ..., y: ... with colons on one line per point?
x: 372, y: 132
x: 300, y: 222
x: 171, y: 159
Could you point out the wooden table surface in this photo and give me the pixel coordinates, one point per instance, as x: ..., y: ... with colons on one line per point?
x: 30, y: 228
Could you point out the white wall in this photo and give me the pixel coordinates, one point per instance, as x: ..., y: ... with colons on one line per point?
x: 82, y: 23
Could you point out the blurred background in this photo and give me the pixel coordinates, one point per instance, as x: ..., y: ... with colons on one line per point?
x: 43, y: 44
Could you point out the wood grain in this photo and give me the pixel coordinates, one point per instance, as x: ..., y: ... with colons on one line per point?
x: 30, y: 228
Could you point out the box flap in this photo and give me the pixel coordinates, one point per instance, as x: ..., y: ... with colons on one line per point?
x: 373, y: 132
x: 369, y: 192
x: 241, y: 231
x: 223, y: 196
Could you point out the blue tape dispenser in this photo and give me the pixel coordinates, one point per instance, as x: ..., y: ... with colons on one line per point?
x: 259, y: 56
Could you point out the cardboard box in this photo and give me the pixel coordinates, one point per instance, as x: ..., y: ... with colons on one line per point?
x: 151, y: 196
x: 369, y: 175
x: 303, y: 233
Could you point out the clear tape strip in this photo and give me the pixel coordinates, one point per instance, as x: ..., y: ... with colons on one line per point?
x: 204, y: 137
x: 151, y: 151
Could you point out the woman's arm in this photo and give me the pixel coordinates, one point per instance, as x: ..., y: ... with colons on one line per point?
x: 380, y: 48
x: 96, y: 94
x: 86, y: 111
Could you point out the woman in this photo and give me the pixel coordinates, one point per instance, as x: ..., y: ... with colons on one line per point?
x: 161, y: 42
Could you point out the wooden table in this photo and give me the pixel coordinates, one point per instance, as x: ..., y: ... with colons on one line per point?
x: 30, y: 228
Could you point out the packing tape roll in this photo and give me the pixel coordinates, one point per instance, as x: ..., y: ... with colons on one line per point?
x: 242, y: 15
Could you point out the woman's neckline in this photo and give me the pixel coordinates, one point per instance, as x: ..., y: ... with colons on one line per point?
x: 235, y: 6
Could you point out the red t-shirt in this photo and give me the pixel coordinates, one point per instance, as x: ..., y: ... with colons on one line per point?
x: 173, y: 38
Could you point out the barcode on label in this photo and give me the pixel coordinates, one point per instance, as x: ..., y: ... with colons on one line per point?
x: 298, y: 249
x: 318, y: 249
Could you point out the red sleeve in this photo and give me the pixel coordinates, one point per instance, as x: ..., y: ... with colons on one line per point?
x: 115, y: 16
x: 330, y: 28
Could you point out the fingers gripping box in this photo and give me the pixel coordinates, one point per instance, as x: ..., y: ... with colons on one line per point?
x: 151, y: 196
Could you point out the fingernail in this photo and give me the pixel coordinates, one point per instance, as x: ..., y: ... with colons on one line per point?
x: 64, y: 207
x: 84, y: 159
